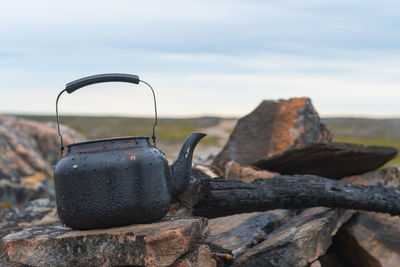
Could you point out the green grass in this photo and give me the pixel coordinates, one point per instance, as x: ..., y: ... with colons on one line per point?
x: 168, y: 131
x: 211, y: 140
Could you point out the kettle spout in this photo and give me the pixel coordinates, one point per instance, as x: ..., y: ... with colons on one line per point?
x: 182, y: 166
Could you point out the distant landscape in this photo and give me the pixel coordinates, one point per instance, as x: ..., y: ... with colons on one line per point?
x: 172, y: 132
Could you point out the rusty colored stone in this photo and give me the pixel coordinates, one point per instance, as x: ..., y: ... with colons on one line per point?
x: 271, y: 129
x: 388, y: 176
x: 247, y: 174
x: 157, y: 244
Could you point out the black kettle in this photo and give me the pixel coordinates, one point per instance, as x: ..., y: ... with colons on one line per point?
x: 119, y: 181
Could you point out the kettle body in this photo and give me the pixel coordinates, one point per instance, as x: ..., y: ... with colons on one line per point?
x: 114, y: 182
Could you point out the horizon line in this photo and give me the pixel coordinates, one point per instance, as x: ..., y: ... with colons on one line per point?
x: 233, y: 117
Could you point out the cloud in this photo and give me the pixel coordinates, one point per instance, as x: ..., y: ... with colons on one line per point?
x: 223, y: 57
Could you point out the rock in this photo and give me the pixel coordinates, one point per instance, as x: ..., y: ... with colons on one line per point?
x: 201, y: 257
x: 27, y: 188
x: 388, y: 176
x: 372, y: 239
x: 28, y: 147
x: 33, y: 213
x: 246, y: 174
x: 156, y: 244
x: 330, y: 160
x: 205, y: 170
x: 298, y: 242
x: 333, y: 259
x: 36, y: 212
x: 235, y: 231
x: 28, y: 150
x: 316, y: 263
x: 271, y: 129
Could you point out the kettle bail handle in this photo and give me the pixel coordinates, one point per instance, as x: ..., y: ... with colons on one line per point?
x: 101, y: 78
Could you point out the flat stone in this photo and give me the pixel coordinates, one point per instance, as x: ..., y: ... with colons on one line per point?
x: 271, y: 129
x: 369, y: 238
x: 298, y: 242
x: 157, y: 244
x: 236, y: 231
x: 330, y: 160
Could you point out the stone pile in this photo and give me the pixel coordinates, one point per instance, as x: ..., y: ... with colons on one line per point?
x: 284, y: 137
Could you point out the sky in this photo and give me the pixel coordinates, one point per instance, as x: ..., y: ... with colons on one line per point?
x: 201, y: 57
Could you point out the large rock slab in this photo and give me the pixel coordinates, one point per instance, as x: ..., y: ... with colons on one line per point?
x: 330, y: 160
x: 298, y: 242
x: 157, y: 244
x: 271, y: 129
x: 372, y: 239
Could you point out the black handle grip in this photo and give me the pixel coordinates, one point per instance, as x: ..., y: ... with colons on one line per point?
x: 101, y: 78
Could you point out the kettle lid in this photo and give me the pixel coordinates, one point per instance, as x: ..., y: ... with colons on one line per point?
x: 109, y: 143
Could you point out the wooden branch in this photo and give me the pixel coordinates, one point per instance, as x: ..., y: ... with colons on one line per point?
x: 221, y: 197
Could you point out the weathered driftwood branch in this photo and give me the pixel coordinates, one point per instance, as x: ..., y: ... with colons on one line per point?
x: 221, y: 197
